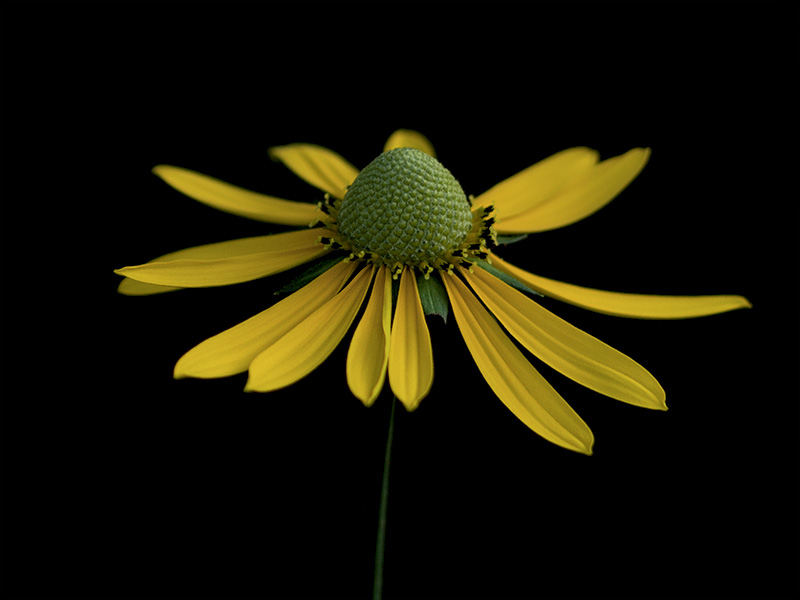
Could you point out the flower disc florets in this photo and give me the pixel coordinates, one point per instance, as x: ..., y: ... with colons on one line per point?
x: 405, y: 207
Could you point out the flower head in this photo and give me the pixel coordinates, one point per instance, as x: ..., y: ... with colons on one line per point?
x: 405, y: 222
x: 406, y: 208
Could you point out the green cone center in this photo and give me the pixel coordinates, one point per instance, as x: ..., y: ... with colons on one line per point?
x: 405, y: 206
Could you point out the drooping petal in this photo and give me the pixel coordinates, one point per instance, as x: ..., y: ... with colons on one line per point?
x: 226, y: 263
x: 304, y: 347
x: 232, y: 351
x: 322, y: 168
x: 515, y: 381
x: 276, y: 242
x: 566, y: 348
x: 538, y: 183
x: 369, y: 348
x: 235, y: 200
x: 408, y: 138
x: 228, y: 249
x: 410, y: 353
x: 638, y: 306
x: 577, y: 200
x: 131, y: 287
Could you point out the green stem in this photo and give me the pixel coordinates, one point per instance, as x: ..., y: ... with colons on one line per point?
x: 380, y: 547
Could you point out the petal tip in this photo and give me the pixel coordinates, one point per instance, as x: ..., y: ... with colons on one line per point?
x: 123, y: 288
x: 161, y: 171
x: 127, y: 273
x: 410, y: 403
x: 274, y: 152
x: 661, y: 400
x: 249, y: 385
x: 585, y: 443
x: 130, y: 272
x: 179, y: 371
x: 409, y: 138
x: 662, y: 404
x: 365, y: 399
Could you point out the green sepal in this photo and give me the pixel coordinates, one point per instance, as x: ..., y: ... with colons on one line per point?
x: 433, y: 296
x: 505, y: 240
x: 506, y: 278
x: 315, y: 270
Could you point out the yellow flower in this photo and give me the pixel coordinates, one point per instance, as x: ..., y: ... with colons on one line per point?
x: 404, y: 222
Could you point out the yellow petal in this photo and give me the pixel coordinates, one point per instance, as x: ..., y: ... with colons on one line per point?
x: 369, y: 348
x: 232, y: 351
x: 410, y: 353
x: 131, y: 287
x: 229, y: 249
x: 577, y: 200
x: 638, y: 306
x: 304, y: 347
x: 518, y: 385
x: 407, y: 138
x: 566, y: 348
x: 538, y: 183
x: 231, y: 262
x: 252, y: 245
x: 235, y: 200
x: 322, y: 168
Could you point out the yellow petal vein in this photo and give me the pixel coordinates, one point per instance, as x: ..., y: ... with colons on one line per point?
x: 518, y: 385
x: 232, y: 351
x: 227, y: 263
x: 638, y: 306
x: 369, y: 349
x: 410, y: 353
x: 235, y: 200
x: 227, y: 249
x: 587, y: 194
x: 304, y: 347
x: 322, y: 168
x: 566, y: 348
x: 538, y: 183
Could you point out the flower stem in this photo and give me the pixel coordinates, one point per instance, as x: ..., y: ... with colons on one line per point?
x: 380, y: 546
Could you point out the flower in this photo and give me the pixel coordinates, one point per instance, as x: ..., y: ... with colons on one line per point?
x: 404, y: 222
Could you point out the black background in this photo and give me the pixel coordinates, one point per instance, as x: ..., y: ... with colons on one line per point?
x: 119, y: 482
